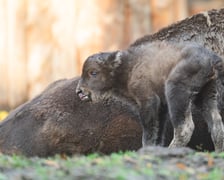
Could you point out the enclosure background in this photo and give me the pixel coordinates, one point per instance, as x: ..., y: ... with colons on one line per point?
x: 45, y: 40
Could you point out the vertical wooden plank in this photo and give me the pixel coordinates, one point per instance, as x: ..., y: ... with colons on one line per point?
x: 63, y: 34
x: 3, y: 56
x: 51, y: 42
x: 99, y: 27
x: 109, y: 25
x: 165, y: 12
x: 16, y: 50
x: 137, y: 20
x: 39, y: 45
x: 160, y: 13
x: 181, y: 9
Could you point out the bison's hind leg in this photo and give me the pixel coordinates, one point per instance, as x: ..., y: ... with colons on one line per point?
x: 208, y: 98
x: 183, y: 83
x: 192, y: 76
x: 179, y: 104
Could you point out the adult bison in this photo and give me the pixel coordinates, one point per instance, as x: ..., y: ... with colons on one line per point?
x: 57, y: 122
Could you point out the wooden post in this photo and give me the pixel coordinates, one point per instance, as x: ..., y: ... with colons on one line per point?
x: 165, y: 12
x: 3, y: 56
x: 51, y: 42
x: 137, y: 20
x: 16, y: 51
x: 109, y: 25
x: 63, y: 34
x: 181, y: 9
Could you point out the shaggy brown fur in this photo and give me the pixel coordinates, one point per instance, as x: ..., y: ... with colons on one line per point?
x: 154, y: 74
x: 57, y: 121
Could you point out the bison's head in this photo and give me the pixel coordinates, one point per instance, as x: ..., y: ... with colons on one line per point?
x: 98, y: 75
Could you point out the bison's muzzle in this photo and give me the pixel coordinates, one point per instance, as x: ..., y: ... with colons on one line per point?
x: 82, y: 96
x: 82, y: 93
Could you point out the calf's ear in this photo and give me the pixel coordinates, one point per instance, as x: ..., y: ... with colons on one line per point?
x: 115, y: 59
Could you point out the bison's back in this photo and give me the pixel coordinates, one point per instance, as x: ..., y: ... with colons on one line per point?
x: 56, y: 121
x: 153, y: 64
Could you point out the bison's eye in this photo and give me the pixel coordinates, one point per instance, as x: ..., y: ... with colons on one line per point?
x: 99, y: 58
x: 93, y: 73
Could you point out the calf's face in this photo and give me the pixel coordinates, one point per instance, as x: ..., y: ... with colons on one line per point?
x: 97, y: 76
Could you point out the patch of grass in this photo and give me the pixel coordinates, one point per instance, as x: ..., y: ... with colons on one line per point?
x: 216, y: 174
x: 220, y: 155
x: 14, y: 161
x: 3, y: 177
x: 119, y: 166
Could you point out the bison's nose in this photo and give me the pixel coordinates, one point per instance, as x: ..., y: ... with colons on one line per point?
x: 84, y: 96
x: 78, y: 90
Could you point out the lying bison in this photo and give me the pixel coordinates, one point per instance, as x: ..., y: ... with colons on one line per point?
x: 57, y: 122
x: 146, y: 76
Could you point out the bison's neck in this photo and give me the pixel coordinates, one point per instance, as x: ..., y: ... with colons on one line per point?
x: 122, y: 75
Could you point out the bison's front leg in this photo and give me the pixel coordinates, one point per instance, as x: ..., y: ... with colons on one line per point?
x: 149, y: 120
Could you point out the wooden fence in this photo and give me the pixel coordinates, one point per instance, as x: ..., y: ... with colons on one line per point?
x: 45, y: 40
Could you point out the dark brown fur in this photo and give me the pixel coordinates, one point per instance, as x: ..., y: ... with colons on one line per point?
x: 57, y: 122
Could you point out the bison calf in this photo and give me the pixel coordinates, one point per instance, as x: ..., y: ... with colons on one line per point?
x: 154, y: 75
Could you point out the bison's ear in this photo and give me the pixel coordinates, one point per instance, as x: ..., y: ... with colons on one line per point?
x: 115, y: 59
